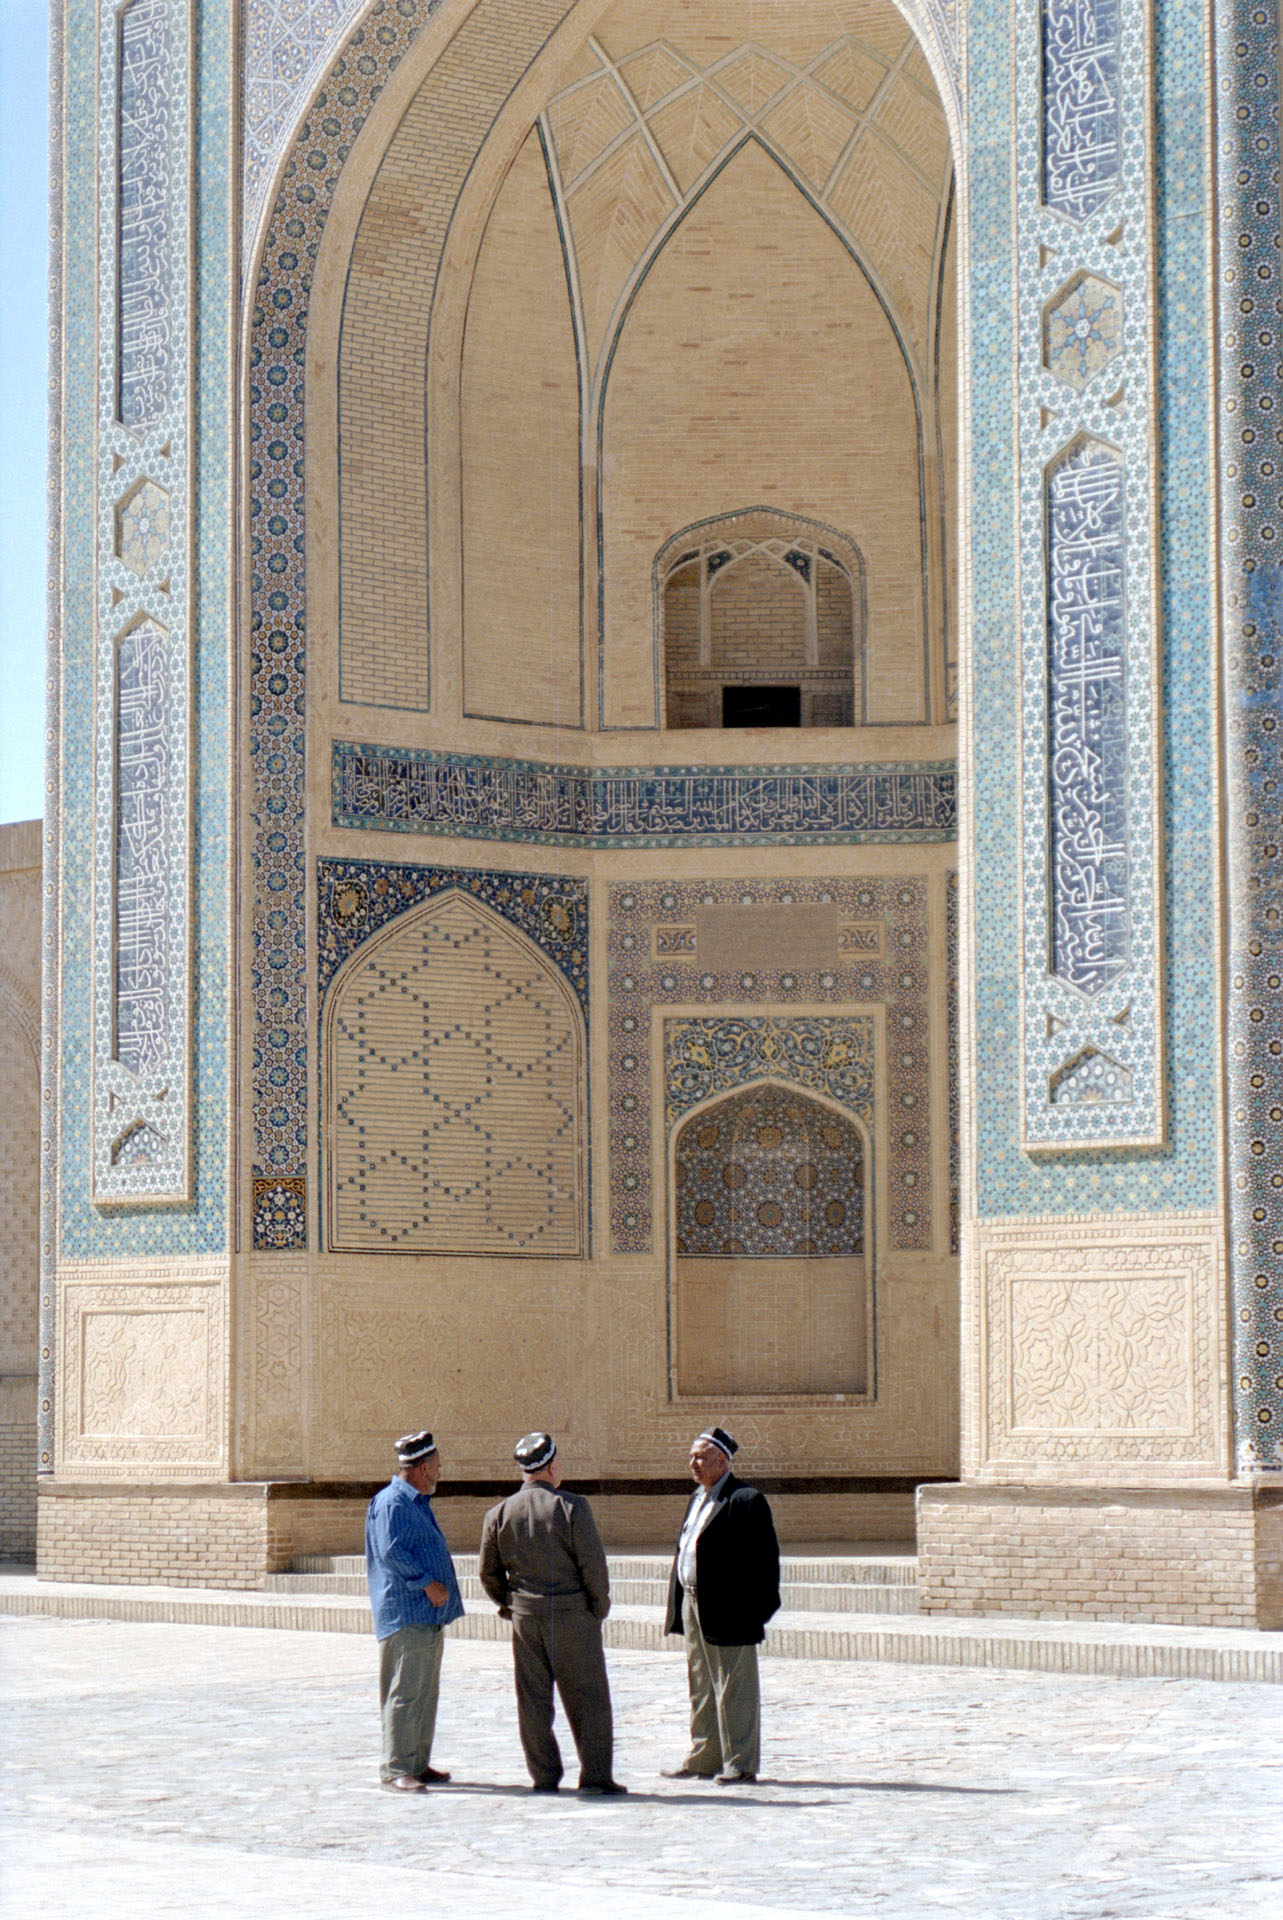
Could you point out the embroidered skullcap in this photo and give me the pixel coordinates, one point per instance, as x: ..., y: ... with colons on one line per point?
x: 413, y: 1447
x: 533, y: 1451
x: 720, y: 1438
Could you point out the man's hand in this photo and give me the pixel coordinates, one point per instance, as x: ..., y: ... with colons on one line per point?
x: 437, y: 1592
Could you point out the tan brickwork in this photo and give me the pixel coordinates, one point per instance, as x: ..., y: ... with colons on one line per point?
x: 388, y: 307
x: 1194, y: 1556
x: 214, y: 1536
x: 20, y: 900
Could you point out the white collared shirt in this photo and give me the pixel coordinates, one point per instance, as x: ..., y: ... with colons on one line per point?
x: 696, y: 1520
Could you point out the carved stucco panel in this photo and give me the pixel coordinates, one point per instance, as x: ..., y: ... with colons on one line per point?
x: 274, y: 1336
x: 1101, y: 1343
x: 143, y: 1361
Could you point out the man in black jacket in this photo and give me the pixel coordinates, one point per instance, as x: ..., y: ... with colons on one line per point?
x: 724, y: 1587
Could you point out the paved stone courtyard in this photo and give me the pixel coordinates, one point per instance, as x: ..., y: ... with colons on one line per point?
x: 172, y: 1770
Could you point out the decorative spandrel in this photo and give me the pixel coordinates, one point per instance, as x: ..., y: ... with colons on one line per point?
x: 1087, y: 714
x: 1082, y: 134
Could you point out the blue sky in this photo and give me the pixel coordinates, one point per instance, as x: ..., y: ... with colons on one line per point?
x: 24, y: 232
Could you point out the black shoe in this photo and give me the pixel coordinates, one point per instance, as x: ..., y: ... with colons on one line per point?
x: 546, y: 1786
x: 737, y: 1779
x: 433, y: 1777
x: 599, y: 1791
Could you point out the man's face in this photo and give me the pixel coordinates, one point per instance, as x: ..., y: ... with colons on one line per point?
x: 708, y: 1463
x: 423, y: 1477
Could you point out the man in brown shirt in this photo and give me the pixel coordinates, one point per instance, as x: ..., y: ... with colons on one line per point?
x: 543, y: 1564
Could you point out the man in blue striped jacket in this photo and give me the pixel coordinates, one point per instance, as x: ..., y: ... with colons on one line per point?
x: 414, y: 1595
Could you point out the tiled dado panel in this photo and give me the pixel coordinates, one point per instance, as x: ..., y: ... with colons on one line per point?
x: 740, y: 945
x: 1101, y: 1348
x: 142, y: 762
x: 143, y: 1351
x: 1250, y: 399
x: 409, y: 790
x: 1092, y: 1036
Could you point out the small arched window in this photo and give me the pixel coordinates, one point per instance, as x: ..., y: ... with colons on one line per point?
x: 762, y: 621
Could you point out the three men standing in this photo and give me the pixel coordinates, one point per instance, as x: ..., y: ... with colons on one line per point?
x: 543, y: 1564
x: 414, y: 1596
x: 724, y: 1587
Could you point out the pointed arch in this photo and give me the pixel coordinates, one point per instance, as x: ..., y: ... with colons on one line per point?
x: 454, y: 1091
x: 771, y: 1277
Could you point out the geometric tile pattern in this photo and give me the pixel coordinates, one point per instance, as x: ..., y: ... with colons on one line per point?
x: 142, y: 1017
x: 356, y: 900
x: 1182, y: 1175
x: 1089, y: 780
x: 765, y: 1174
x: 814, y: 1050
x: 454, y: 1092
x: 1251, y: 523
x: 278, y: 616
x: 409, y: 790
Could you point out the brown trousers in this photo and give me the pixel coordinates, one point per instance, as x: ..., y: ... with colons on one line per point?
x: 562, y: 1645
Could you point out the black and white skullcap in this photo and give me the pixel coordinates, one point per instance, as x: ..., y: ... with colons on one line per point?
x: 413, y: 1447
x: 720, y: 1438
x: 533, y: 1451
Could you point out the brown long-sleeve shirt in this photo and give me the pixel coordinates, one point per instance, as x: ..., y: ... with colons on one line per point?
x: 540, y: 1546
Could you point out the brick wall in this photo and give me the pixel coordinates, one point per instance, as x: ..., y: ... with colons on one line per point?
x: 213, y: 1536
x: 1186, y: 1557
x: 18, y: 1468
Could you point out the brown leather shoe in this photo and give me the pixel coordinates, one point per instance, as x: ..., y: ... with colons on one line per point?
x: 432, y: 1777
x: 403, y: 1783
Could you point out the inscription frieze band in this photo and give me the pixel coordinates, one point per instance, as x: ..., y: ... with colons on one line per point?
x: 400, y: 790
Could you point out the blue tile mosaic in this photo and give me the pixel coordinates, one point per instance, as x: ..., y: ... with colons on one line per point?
x: 278, y: 596
x: 286, y: 46
x: 1182, y: 1175
x: 1090, y: 850
x: 85, y: 1230
x: 1251, y: 470
x: 406, y: 791
x: 142, y: 771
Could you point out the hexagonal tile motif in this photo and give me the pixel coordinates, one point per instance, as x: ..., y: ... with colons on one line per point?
x: 1082, y: 329
x: 142, y: 526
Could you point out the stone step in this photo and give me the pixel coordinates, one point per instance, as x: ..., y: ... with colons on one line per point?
x: 1116, y: 1648
x: 806, y: 1597
x: 813, y: 1597
x: 885, y: 1569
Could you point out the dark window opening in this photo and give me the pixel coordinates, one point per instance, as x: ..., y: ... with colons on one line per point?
x: 761, y: 706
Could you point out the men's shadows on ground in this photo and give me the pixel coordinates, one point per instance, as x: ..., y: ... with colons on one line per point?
x: 739, y: 1796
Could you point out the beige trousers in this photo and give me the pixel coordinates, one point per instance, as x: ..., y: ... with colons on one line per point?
x: 409, y: 1682
x: 726, y: 1705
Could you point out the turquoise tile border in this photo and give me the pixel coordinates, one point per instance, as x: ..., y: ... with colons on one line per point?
x: 86, y: 1231
x: 1182, y: 1175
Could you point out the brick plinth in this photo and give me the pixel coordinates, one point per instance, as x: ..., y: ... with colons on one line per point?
x: 1209, y: 1556
x: 230, y: 1534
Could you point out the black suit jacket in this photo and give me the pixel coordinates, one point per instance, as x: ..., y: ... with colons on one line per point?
x: 737, y: 1569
